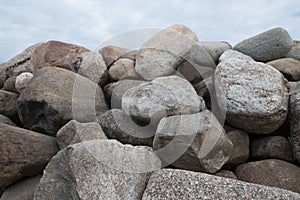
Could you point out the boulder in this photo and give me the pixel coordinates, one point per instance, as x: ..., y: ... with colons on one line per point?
x: 2, y: 74
x: 272, y: 172
x: 45, y: 106
x: 226, y: 174
x: 121, y: 69
x: 6, y: 120
x: 22, y: 81
x: 117, y: 125
x: 195, y: 142
x: 276, y: 147
x: 161, y: 97
x: 215, y: 49
x: 267, y: 46
x: 230, y: 53
x: 167, y: 184
x: 23, y: 153
x: 115, y: 91
x: 55, y: 53
x: 10, y: 84
x: 23, y: 190
x: 295, y: 51
x: 112, y: 53
x: 75, y: 132
x: 8, y: 104
x: 256, y: 95
x: 131, y: 54
x: 98, y: 169
x: 92, y: 66
x: 289, y: 67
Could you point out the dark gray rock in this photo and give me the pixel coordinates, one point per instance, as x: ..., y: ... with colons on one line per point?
x: 267, y: 46
x: 8, y: 104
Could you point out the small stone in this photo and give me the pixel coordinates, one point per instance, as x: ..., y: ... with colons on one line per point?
x: 295, y: 51
x: 123, y: 68
x: 289, y: 67
x: 9, y: 84
x: 267, y: 46
x: 226, y: 174
x: 22, y: 81
x: 230, y: 53
x: 112, y: 53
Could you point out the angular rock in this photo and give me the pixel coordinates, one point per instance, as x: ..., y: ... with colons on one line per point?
x: 240, y: 152
x: 92, y: 66
x: 112, y: 53
x: 23, y: 153
x: 195, y: 142
x: 215, y: 49
x: 256, y: 95
x: 167, y: 184
x: 10, y: 84
x: 98, y: 169
x: 115, y: 91
x: 161, y: 97
x: 55, y: 53
x: 230, y: 53
x: 276, y: 147
x: 23, y: 190
x: 6, y: 120
x: 75, y: 132
x: 121, y: 69
x: 295, y: 51
x: 267, y: 46
x: 272, y: 172
x: 294, y: 117
x: 45, y: 106
x: 226, y: 174
x: 8, y: 104
x: 289, y: 67
x: 117, y: 125
x: 22, y: 81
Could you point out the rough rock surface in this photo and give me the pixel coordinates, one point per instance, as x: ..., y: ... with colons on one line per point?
x: 161, y: 97
x: 194, y: 142
x: 276, y: 147
x: 295, y: 51
x: 98, y: 169
x: 23, y: 190
x: 267, y: 46
x: 179, y: 184
x: 256, y: 95
x: 289, y: 67
x: 8, y: 103
x: 121, y: 69
x: 22, y: 81
x: 275, y: 173
x: 112, y: 53
x: 230, y: 53
x: 45, y: 106
x: 55, y: 53
x: 23, y: 153
x: 75, y: 132
x: 117, y: 125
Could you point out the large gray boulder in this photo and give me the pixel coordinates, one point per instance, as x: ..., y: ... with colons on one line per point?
x: 256, y: 95
x: 55, y: 96
x: 169, y: 184
x: 98, y: 169
x: 267, y: 46
x: 161, y: 97
x: 194, y: 142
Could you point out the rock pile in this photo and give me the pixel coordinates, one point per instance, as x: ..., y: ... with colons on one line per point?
x: 175, y: 119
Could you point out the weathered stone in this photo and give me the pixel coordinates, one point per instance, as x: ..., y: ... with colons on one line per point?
x: 130, y: 54
x: 240, y: 152
x: 294, y: 117
x: 215, y: 49
x: 98, y: 169
x: 295, y: 51
x: 23, y: 190
x: 22, y: 81
x: 6, y: 120
x: 256, y: 95
x: 117, y: 125
x: 112, y: 53
x: 289, y: 67
x: 226, y: 174
x: 184, y: 30
x: 75, y: 132
x: 8, y: 103
x: 276, y: 147
x: 194, y: 142
x: 230, y: 53
x: 272, y: 172
x: 92, y: 66
x: 55, y: 53
x: 161, y: 97
x: 167, y: 184
x: 45, y: 106
x: 9, y: 84
x: 267, y: 46
x: 23, y: 153
x: 121, y: 69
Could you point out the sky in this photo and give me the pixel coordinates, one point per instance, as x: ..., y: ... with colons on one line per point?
x: 91, y: 23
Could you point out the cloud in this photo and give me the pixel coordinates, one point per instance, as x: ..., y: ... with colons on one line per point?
x: 91, y: 22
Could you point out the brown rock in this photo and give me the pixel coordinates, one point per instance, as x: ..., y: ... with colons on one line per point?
x: 295, y: 51
x: 112, y: 53
x: 121, y: 69
x: 6, y: 120
x: 289, y: 67
x: 9, y: 84
x: 272, y: 172
x: 55, y: 53
x: 226, y: 174
x: 23, y: 153
x: 8, y: 103
x: 130, y: 54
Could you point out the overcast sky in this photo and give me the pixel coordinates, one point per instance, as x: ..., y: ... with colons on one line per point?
x: 92, y: 22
